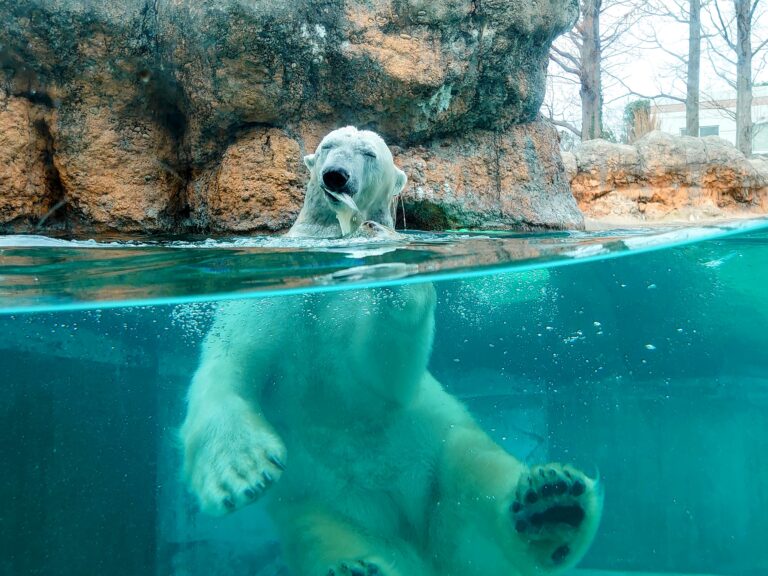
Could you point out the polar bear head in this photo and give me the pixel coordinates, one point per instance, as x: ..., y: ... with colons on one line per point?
x: 353, y: 178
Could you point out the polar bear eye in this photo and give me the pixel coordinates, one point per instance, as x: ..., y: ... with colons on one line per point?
x: 326, y: 146
x: 369, y: 153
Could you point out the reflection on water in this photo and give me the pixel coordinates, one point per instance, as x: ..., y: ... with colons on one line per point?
x: 648, y: 369
x: 38, y: 273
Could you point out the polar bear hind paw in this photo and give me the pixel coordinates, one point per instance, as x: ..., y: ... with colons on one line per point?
x: 356, y: 568
x: 551, y: 505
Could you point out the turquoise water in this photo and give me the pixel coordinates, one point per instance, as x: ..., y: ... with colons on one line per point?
x: 639, y: 357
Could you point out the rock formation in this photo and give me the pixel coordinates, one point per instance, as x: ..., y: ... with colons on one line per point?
x: 27, y: 179
x: 163, y: 115
x: 489, y: 180
x: 663, y: 177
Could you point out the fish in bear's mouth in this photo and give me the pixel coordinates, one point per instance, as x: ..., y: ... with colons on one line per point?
x: 347, y: 212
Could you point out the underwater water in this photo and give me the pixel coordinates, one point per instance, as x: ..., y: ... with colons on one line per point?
x: 641, y: 357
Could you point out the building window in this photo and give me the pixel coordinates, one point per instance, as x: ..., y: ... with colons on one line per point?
x: 709, y: 131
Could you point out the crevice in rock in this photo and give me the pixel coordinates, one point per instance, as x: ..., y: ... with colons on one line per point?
x: 57, y: 216
x: 35, y: 97
x: 423, y: 215
x: 179, y: 210
x: 497, y: 171
x: 478, y: 19
x: 166, y: 104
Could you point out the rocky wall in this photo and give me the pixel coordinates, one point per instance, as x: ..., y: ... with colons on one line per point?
x: 666, y: 178
x: 182, y: 115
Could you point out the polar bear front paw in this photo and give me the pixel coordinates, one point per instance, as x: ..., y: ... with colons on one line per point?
x: 231, y: 463
x: 553, y: 508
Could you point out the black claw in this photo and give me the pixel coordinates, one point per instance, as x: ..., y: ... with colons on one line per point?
x: 521, y: 525
x: 267, y: 478
x: 560, y: 487
x: 578, y: 488
x: 276, y: 461
x: 531, y: 497
x: 560, y: 554
x: 516, y: 507
x: 250, y: 494
x: 229, y: 504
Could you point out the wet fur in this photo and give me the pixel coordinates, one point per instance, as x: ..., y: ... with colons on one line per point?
x: 324, y: 405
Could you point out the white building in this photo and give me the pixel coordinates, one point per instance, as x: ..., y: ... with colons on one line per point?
x: 718, y: 118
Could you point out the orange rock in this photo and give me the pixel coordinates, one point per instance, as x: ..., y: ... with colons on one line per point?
x: 258, y: 186
x: 27, y: 191
x: 666, y: 178
x: 187, y: 115
x: 118, y: 174
x: 482, y: 180
x: 488, y: 180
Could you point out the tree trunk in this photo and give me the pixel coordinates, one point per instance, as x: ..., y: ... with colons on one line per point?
x: 694, y: 69
x: 744, y: 75
x: 591, y: 90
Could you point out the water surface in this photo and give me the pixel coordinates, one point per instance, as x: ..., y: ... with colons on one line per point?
x: 650, y: 368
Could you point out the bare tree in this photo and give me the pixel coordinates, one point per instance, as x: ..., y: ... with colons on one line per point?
x: 693, y: 72
x: 591, y: 91
x: 683, y: 81
x: 582, y: 53
x: 734, y: 21
x: 558, y: 105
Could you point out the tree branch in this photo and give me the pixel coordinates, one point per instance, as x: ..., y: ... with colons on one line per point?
x: 570, y: 57
x: 760, y: 47
x: 566, y: 125
x: 724, y: 28
x: 563, y: 66
x: 646, y: 96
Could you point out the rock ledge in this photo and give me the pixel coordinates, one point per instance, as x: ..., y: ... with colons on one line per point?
x: 666, y: 178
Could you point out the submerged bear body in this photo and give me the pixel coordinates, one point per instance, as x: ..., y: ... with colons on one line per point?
x: 324, y: 405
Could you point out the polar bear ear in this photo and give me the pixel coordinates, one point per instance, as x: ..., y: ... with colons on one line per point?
x: 309, y: 161
x: 400, y: 181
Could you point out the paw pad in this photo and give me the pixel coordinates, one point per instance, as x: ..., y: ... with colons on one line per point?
x: 548, y: 504
x: 355, y: 568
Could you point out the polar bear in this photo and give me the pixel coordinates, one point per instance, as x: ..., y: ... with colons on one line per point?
x: 323, y: 404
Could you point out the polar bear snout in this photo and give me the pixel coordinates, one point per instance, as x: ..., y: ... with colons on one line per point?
x: 336, y: 179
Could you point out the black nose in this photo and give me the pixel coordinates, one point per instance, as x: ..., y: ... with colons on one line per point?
x: 335, y: 179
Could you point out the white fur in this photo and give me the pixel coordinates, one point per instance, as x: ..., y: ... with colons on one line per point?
x: 382, y: 467
x: 379, y: 181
